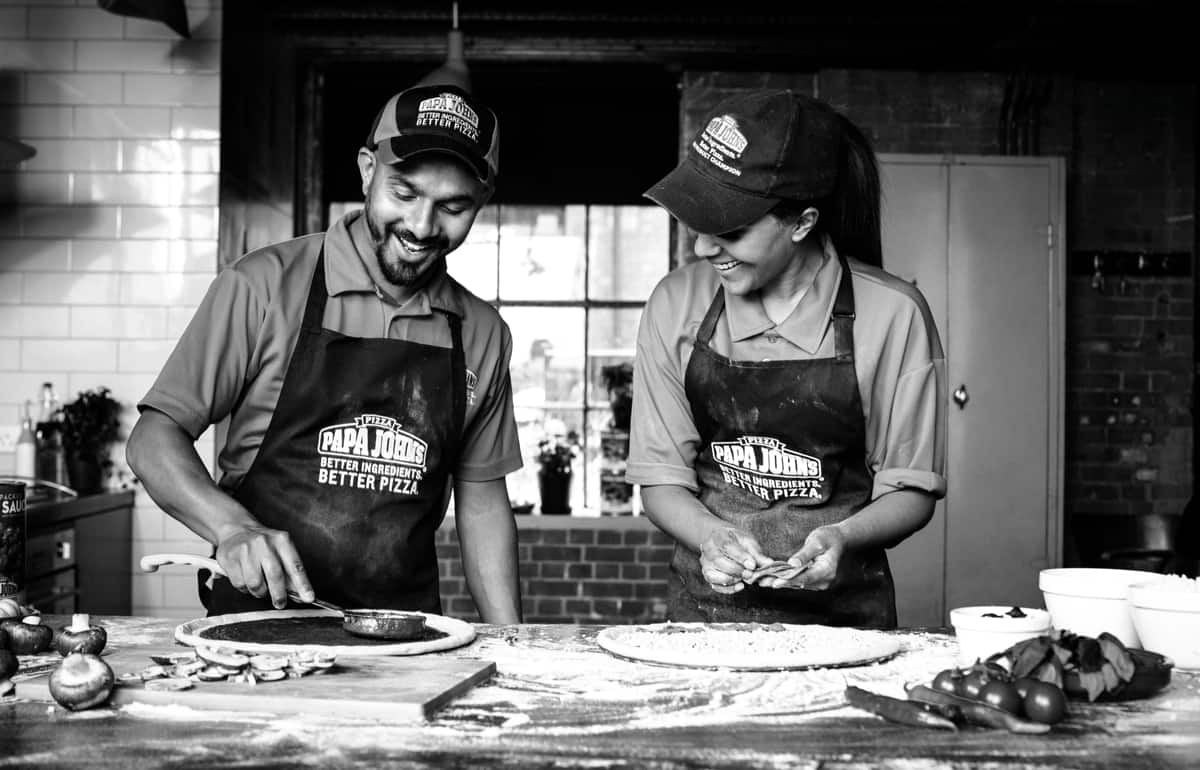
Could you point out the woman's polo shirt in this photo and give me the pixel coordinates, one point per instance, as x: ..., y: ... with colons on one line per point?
x: 898, y: 359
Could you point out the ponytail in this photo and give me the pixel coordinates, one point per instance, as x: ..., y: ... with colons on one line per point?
x: 849, y: 214
x: 855, y: 223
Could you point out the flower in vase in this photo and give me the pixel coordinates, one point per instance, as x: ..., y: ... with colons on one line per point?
x: 556, y: 454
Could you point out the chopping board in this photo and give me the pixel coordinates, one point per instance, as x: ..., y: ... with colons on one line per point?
x: 389, y: 689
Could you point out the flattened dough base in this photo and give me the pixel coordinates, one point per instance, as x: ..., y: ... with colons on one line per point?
x: 442, y: 633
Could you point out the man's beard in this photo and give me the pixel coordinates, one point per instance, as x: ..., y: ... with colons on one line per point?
x: 400, y: 272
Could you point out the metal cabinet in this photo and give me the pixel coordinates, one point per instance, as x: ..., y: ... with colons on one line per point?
x: 982, y: 237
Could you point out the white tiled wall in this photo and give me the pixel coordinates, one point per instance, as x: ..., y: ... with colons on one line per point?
x: 108, y: 235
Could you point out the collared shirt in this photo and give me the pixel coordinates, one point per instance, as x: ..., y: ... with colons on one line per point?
x: 231, y: 359
x: 898, y: 360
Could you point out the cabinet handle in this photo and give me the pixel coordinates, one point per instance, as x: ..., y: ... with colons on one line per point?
x: 961, y: 397
x: 64, y: 549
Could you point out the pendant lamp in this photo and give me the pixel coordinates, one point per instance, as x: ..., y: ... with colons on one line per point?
x: 13, y: 152
x: 454, y: 70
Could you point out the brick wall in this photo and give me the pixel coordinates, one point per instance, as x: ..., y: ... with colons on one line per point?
x: 107, y: 235
x: 1129, y: 405
x: 588, y: 573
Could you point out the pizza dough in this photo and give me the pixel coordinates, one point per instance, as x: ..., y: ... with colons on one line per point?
x: 748, y: 646
x: 282, y: 631
x: 777, y: 569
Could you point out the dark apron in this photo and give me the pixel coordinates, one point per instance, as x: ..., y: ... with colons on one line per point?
x: 783, y: 451
x: 356, y: 464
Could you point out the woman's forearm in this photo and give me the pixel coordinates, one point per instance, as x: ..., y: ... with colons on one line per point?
x: 676, y: 511
x: 888, y: 519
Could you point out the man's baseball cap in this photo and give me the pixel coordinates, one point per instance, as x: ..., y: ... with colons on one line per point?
x: 754, y: 151
x: 438, y: 118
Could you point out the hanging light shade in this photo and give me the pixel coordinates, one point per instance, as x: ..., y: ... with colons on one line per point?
x: 454, y: 70
x: 14, y: 152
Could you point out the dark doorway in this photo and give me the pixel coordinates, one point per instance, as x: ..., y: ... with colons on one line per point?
x: 597, y: 133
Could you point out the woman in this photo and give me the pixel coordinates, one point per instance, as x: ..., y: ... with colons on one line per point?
x: 789, y: 394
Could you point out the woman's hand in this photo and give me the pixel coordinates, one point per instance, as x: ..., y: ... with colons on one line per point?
x: 728, y: 557
x: 821, y: 552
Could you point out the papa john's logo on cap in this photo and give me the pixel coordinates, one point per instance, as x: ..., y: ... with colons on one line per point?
x: 449, y: 110
x: 721, y: 143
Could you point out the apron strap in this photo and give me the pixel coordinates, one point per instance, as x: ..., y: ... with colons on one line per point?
x: 314, y: 309
x: 843, y: 316
x: 705, y: 332
x: 458, y: 373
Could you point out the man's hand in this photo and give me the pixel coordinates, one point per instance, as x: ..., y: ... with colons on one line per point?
x: 728, y: 557
x: 263, y: 562
x: 821, y: 552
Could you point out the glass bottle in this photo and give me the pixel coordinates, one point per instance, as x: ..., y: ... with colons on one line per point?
x: 26, y: 449
x: 51, y: 456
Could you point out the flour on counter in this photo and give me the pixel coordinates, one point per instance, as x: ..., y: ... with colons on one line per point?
x: 624, y: 694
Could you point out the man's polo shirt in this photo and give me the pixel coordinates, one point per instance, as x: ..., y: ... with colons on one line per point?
x: 898, y: 361
x: 232, y: 357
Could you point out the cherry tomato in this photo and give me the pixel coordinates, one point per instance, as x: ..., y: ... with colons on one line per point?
x: 970, y: 685
x: 1044, y: 702
x: 947, y: 681
x: 1001, y: 695
x: 1022, y: 685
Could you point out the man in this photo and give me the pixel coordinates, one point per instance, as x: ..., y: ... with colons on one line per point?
x: 361, y: 383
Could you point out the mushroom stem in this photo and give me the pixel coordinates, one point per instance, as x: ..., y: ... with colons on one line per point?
x: 80, y: 621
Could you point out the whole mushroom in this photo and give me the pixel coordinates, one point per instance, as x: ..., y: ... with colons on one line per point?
x: 80, y: 636
x: 28, y: 636
x: 9, y: 608
x: 81, y: 681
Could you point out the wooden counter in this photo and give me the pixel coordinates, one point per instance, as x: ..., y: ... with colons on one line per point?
x: 557, y: 700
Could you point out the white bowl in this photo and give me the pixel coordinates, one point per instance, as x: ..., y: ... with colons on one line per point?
x: 1166, y: 614
x: 979, y: 636
x: 1091, y: 600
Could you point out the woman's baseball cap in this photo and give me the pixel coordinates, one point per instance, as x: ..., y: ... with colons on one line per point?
x: 438, y: 118
x: 755, y: 150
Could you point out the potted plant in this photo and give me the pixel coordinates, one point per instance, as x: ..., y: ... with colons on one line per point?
x: 90, y: 424
x: 616, y: 495
x: 555, y: 458
x: 618, y: 380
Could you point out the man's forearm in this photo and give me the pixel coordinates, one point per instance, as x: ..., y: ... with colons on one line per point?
x: 163, y: 457
x: 487, y: 535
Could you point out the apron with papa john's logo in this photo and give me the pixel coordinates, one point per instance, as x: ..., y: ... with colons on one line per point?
x: 355, y: 464
x: 783, y: 451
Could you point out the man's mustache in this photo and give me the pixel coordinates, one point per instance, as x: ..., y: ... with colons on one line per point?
x: 407, y: 235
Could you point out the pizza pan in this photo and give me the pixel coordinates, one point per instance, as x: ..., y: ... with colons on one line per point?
x: 374, y: 624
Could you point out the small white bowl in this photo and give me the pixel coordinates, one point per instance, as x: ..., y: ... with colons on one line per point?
x: 979, y: 636
x: 1091, y: 600
x: 1166, y: 614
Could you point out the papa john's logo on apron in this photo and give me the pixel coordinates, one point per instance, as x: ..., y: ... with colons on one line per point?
x: 766, y: 467
x: 372, y: 454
